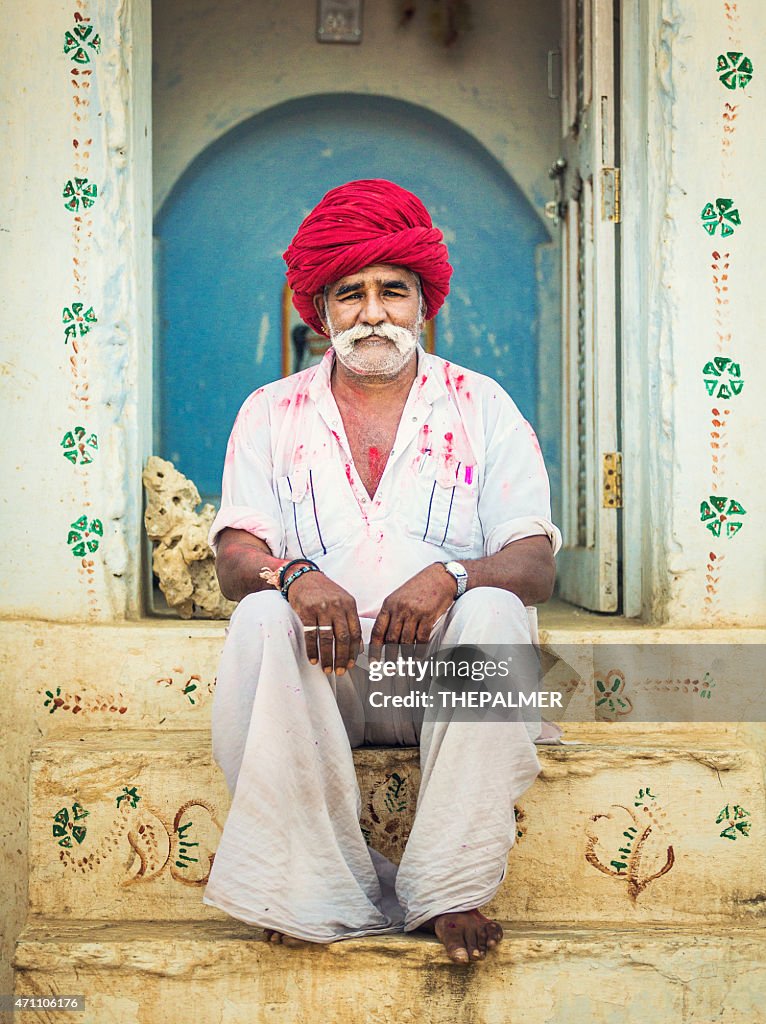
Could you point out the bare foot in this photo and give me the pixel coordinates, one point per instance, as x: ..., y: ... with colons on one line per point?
x: 467, y: 934
x: 280, y: 939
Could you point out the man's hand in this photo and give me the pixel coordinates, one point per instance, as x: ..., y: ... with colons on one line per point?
x: 321, y: 603
x: 408, y: 615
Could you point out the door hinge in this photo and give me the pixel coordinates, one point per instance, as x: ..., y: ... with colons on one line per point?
x: 611, y: 491
x: 610, y: 194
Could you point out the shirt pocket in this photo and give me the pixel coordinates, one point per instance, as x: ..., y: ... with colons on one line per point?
x: 444, y: 509
x: 312, y: 526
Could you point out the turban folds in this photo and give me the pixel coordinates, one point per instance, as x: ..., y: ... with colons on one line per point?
x: 357, y: 225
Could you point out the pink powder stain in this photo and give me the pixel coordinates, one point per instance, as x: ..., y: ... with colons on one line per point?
x: 469, y: 474
x: 336, y: 435
x: 375, y: 463
x: 459, y: 381
x: 284, y: 403
x: 535, y: 442
x: 423, y: 379
x: 348, y: 475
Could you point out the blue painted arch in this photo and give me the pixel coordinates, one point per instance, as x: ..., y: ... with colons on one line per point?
x: 221, y: 232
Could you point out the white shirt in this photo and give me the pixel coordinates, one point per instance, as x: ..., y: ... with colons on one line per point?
x: 465, y: 477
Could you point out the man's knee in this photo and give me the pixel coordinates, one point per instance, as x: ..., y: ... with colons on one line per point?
x: 263, y: 609
x: 495, y: 615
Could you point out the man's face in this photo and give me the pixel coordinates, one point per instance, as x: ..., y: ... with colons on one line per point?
x: 374, y: 318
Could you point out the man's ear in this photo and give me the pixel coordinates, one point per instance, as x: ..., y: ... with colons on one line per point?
x: 319, y: 306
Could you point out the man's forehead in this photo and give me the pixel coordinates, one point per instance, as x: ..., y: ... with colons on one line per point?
x: 377, y: 273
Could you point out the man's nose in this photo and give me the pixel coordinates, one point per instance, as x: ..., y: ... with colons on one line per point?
x: 373, y: 310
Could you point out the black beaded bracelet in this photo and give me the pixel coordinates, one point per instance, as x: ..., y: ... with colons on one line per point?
x: 288, y: 565
x: 298, y: 572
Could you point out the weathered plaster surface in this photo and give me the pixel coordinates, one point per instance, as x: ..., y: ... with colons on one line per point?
x: 693, y: 158
x: 217, y: 66
x: 539, y: 975
x: 45, y: 493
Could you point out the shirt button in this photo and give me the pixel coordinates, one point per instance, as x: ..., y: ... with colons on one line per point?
x: 414, y: 419
x: 364, y: 501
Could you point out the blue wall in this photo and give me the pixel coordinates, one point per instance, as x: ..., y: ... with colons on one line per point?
x: 223, y: 228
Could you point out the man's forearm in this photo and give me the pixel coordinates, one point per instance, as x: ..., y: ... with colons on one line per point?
x: 239, y: 560
x: 525, y: 567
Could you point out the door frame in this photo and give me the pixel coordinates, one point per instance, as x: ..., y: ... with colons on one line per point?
x: 641, y: 225
x: 633, y: 307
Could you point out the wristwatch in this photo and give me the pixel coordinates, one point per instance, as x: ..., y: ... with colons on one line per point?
x: 461, y: 576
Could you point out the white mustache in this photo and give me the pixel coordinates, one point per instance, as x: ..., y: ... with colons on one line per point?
x: 402, y: 337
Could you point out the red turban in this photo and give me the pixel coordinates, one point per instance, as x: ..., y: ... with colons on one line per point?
x: 357, y: 225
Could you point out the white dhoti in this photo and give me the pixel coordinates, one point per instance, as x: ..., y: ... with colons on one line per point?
x: 292, y: 856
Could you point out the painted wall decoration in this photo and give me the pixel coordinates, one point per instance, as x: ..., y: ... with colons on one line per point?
x: 141, y: 842
x: 722, y: 375
x: 82, y: 41
x: 610, y: 699
x: 65, y: 827
x: 77, y: 321
x: 634, y: 859
x: 388, y: 813
x: 80, y: 195
x: 84, y: 536
x: 74, y: 703
x: 735, y: 70
x: 736, y: 825
x: 722, y: 515
x: 77, y: 447
x: 192, y: 688
x: 79, y: 192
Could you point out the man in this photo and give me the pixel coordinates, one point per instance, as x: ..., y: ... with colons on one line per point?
x: 347, y: 487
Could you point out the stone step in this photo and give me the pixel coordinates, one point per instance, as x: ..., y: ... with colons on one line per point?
x: 124, y: 825
x: 133, y: 972
x: 161, y: 675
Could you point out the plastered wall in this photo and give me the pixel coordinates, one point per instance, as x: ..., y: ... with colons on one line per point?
x: 701, y: 248
x: 216, y: 65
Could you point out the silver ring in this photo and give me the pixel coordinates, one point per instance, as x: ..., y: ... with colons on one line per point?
x: 307, y: 629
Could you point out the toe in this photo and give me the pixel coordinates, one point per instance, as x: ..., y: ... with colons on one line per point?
x: 459, y: 954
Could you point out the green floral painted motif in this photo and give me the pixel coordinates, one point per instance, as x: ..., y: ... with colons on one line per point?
x: 184, y: 846
x: 83, y: 534
x: 720, y: 367
x: 733, y: 815
x: 718, y: 510
x: 81, y: 42
x: 611, y: 701
x: 721, y: 212
x: 76, y: 321
x: 396, y: 794
x: 131, y: 795
x: 643, y: 796
x: 77, y: 191
x: 734, y: 69
x: 709, y: 683
x: 65, y: 828
x: 76, y: 445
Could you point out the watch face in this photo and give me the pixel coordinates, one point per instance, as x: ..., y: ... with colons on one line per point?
x: 455, y: 568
